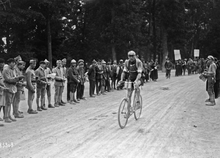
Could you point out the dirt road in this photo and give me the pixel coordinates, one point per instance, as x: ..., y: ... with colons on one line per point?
x: 175, y: 123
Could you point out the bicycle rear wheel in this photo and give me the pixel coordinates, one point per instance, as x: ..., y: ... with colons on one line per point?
x: 137, y: 107
x: 123, y: 113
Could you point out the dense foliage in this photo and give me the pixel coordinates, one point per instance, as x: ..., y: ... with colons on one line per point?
x: 107, y: 29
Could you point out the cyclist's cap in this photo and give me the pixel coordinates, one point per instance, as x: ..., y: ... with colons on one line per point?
x: 131, y: 53
x: 121, y: 61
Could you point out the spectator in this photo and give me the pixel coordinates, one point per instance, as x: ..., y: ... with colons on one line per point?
x: 31, y: 82
x: 211, y: 76
x: 59, y: 84
x: 2, y: 86
x: 20, y: 89
x: 41, y: 86
x: 92, y: 78
x: 48, y: 85
x: 119, y: 70
x: 114, y: 74
x: 168, y: 66
x: 73, y: 79
x: 217, y: 83
x: 10, y: 80
x: 82, y: 79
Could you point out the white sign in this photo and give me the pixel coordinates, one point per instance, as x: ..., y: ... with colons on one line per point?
x: 4, y: 40
x: 177, y: 54
x: 196, y: 52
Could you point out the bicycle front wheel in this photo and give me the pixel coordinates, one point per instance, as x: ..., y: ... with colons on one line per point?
x: 123, y: 113
x: 137, y: 107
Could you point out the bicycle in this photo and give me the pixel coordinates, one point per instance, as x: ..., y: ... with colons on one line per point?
x: 126, y: 110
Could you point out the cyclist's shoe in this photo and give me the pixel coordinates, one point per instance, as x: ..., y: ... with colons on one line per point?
x: 131, y: 110
x: 137, y: 105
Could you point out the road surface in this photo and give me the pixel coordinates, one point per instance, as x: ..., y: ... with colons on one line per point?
x: 175, y: 123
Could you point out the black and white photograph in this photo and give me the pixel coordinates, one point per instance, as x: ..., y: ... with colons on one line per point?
x: 109, y: 78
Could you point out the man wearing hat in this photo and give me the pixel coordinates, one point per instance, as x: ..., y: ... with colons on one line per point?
x: 189, y: 66
x: 20, y: 89
x: 108, y: 76
x: 104, y: 77
x: 41, y: 86
x: 119, y: 70
x: 48, y: 85
x: 59, y: 84
x: 31, y: 83
x: 73, y: 79
x: 211, y: 79
x: 114, y: 74
x: 10, y: 80
x: 82, y: 78
x: 17, y: 59
x: 64, y: 61
x: 98, y: 77
x: 92, y: 78
x: 184, y: 66
x: 2, y: 86
x: 168, y: 66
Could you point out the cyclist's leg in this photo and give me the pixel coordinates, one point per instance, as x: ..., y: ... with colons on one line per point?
x: 129, y: 95
x: 138, y: 89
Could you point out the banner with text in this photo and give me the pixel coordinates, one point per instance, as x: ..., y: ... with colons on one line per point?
x: 177, y: 54
x: 196, y: 52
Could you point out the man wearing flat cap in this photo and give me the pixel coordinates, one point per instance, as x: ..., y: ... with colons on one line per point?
x: 64, y: 66
x: 82, y: 79
x: 10, y: 80
x: 99, y: 76
x: 108, y: 76
x: 114, y: 74
x: 168, y: 66
x: 17, y: 59
x: 31, y: 83
x: 59, y: 84
x: 210, y: 74
x: 2, y: 93
x: 64, y: 61
x: 104, y: 77
x: 20, y: 90
x: 119, y: 70
x: 48, y: 85
x: 73, y: 79
x: 41, y: 86
x: 92, y: 78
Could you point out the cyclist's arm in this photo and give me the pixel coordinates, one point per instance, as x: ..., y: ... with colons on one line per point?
x: 138, y: 77
x: 139, y: 70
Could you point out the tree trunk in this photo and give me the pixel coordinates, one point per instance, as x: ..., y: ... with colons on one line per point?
x: 49, y: 45
x: 113, y: 52
x: 164, y: 48
x: 113, y: 40
x: 154, y: 30
x: 7, y: 37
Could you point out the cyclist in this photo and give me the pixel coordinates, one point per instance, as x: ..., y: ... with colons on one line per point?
x: 133, y: 70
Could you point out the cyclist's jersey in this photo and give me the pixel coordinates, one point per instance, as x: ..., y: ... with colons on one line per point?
x: 133, y: 68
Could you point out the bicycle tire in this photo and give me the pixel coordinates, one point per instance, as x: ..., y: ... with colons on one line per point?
x: 123, y: 113
x: 138, y: 110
